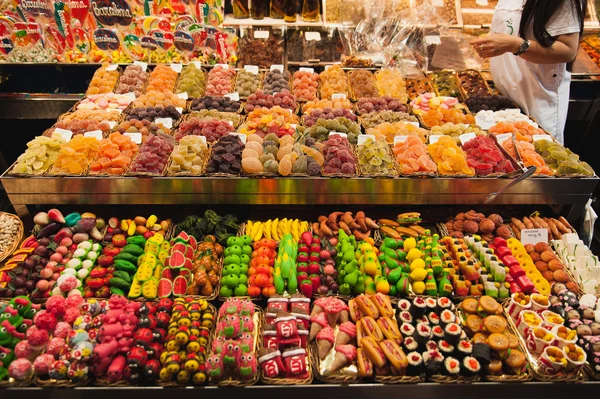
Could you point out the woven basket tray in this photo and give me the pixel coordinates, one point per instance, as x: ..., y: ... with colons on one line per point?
x: 51, y: 383
x: 452, y: 77
x: 330, y: 379
x: 477, y: 75
x: 17, y: 238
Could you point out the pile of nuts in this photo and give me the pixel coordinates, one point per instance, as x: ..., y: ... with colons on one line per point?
x: 8, y: 231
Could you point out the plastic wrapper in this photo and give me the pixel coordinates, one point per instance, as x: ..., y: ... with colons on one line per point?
x: 322, y: 47
x: 445, y: 9
x: 456, y: 52
x: 6, y: 38
x: 210, y: 12
x: 219, y: 46
x: 262, y: 46
x: 28, y: 42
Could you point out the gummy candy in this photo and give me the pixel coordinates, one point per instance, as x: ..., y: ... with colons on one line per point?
x: 450, y: 159
x: 374, y: 158
x: 188, y: 156
x: 413, y: 157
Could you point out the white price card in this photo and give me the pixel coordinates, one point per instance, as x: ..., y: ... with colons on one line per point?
x: 230, y: 122
x: 482, y: 2
x: 179, y: 109
x: 434, y: 138
x: 222, y: 66
x: 183, y: 96
x: 413, y: 123
x: 112, y: 67
x: 539, y: 137
x: 277, y: 66
x: 293, y: 126
x: 338, y: 96
x: 202, y: 139
x: 166, y: 122
x: 305, y: 69
x: 233, y: 96
x: 533, y: 236
x: 141, y: 64
x: 485, y: 121
x: 312, y: 36
x: 94, y: 133
x: 118, y: 111
x: 433, y: 39
x: 111, y: 124
x: 344, y: 135
x: 65, y: 134
x: 438, y: 3
x: 261, y: 34
x: 242, y: 136
x: 129, y: 96
x: 197, y: 64
x: 135, y: 137
x: 364, y: 137
x: 501, y: 138
x: 466, y: 137
x: 177, y: 67
x: 253, y: 69
x: 400, y: 139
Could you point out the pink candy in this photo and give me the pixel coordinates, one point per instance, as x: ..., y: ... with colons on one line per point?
x: 105, y: 101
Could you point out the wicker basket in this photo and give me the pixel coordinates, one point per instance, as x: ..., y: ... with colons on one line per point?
x: 17, y: 238
x: 397, y: 380
x: 446, y: 379
x: 452, y: 76
x: 12, y: 383
x: 330, y: 379
x: 476, y: 75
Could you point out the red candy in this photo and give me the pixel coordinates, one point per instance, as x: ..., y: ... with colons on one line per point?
x: 485, y: 157
x: 210, y: 128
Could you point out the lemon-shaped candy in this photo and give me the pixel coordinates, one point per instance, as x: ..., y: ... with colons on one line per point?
x: 413, y: 254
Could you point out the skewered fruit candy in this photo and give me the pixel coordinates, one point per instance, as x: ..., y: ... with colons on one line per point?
x: 333, y: 81
x: 103, y: 81
x: 75, y: 156
x: 338, y: 156
x: 305, y: 85
x: 391, y: 130
x: 247, y: 83
x: 528, y: 155
x: 220, y: 81
x: 374, y: 157
x: 188, y: 156
x: 114, y: 155
x: 374, y: 119
x: 437, y: 117
x: 153, y: 155
x: 450, y: 159
x: 191, y: 81
x: 212, y: 129
x: 327, y: 113
x: 226, y: 156
x: 391, y: 83
x: 133, y: 80
x: 363, y: 83
x: 560, y: 158
x: 484, y: 156
x: 413, y: 157
x: 40, y: 155
x: 276, y: 81
x: 223, y: 104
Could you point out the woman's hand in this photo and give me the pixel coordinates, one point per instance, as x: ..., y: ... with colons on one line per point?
x: 496, y: 44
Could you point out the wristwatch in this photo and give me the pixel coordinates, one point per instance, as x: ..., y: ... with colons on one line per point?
x: 523, y: 48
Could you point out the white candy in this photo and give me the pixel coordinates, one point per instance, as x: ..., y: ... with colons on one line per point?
x: 85, y: 245
x: 588, y: 300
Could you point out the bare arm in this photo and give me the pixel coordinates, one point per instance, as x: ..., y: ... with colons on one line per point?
x: 563, y: 50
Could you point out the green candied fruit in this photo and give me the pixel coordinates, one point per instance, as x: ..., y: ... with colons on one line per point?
x: 271, y: 137
x: 568, y: 167
x: 375, y: 161
x: 300, y: 165
x: 588, y: 171
x: 271, y: 149
x: 541, y: 145
x: 266, y: 157
x: 271, y: 166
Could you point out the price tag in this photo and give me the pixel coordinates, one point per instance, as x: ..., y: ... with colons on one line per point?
x: 179, y: 109
x: 400, y: 139
x: 501, y: 138
x: 230, y: 122
x: 112, y: 67
x: 309, y: 70
x: 129, y: 96
x: 233, y: 96
x: 183, y: 96
x: 485, y: 121
x: 261, y: 34
x: 312, y: 36
x: 466, y: 137
x: 293, y: 125
x: 197, y: 64
x: 364, y: 137
x: 65, y: 134
x: 533, y: 236
x: 413, y: 123
x: 222, y: 66
x: 135, y: 137
x: 482, y: 2
x: 538, y: 137
x: 111, y: 124
x: 433, y: 39
x: 253, y: 69
x: 94, y: 133
x: 242, y: 136
x: 141, y: 64
x: 338, y: 96
x: 344, y: 135
x: 513, y: 111
x: 202, y: 139
x: 328, y: 66
x: 438, y: 3
x: 166, y: 122
x: 277, y: 66
x: 177, y: 67
x: 434, y: 138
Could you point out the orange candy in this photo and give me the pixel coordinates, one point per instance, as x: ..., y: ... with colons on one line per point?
x: 438, y: 117
x: 162, y: 79
x: 114, y: 155
x: 529, y: 156
x: 413, y: 157
x: 103, y: 81
x: 450, y: 159
x: 523, y: 131
x: 75, y: 156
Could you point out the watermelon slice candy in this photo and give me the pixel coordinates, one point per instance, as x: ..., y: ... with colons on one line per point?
x: 182, y: 237
x: 189, y: 252
x: 188, y: 264
x: 180, y: 286
x: 167, y: 273
x: 186, y: 273
x: 165, y: 288
x: 193, y: 243
x: 178, y: 246
x: 177, y: 259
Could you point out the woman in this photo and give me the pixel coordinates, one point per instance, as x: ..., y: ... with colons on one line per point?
x: 532, y: 46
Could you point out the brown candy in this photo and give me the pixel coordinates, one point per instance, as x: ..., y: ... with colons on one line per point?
x: 487, y: 226
x: 497, y: 219
x: 470, y: 227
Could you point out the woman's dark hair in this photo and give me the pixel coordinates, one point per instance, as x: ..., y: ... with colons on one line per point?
x: 540, y: 12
